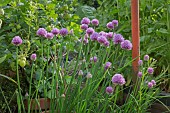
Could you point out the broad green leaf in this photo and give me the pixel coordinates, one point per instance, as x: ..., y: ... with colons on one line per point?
x: 2, y: 59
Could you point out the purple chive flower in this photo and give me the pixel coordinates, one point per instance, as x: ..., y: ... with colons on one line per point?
x: 85, y: 41
x: 55, y: 31
x: 126, y: 44
x: 107, y: 43
x: 150, y: 85
x: 17, y: 41
x: 115, y: 22
x: 150, y: 70
x: 140, y: 62
x: 107, y: 65
x: 94, y: 59
x: 49, y: 35
x: 41, y: 32
x: 109, y: 35
x: 63, y: 32
x: 84, y: 26
x: 89, y: 31
x: 86, y: 36
x: 101, y: 39
x: 33, y: 57
x: 139, y: 74
x: 118, y: 79
x: 109, y: 90
x: 146, y: 57
x: 153, y: 82
x: 118, y: 38
x: 85, y: 20
x: 94, y: 36
x: 110, y: 25
x: 95, y: 22
x: 102, y: 33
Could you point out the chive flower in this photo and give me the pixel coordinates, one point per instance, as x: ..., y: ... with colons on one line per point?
x: 109, y: 35
x: 55, y: 31
x: 118, y: 79
x: 94, y: 36
x: 153, y: 82
x: 49, y: 36
x: 110, y: 25
x: 140, y: 62
x: 94, y: 59
x: 41, y: 32
x: 150, y: 84
x: 17, y: 41
x: 102, y: 33
x: 95, y: 22
x: 146, y: 57
x: 139, y: 74
x: 109, y: 90
x: 85, y: 20
x: 84, y: 26
x: 106, y: 43
x: 90, y: 31
x: 150, y: 70
x: 33, y: 57
x: 126, y: 44
x: 118, y: 38
x: 115, y: 22
x: 101, y: 39
x: 63, y: 32
x: 107, y: 65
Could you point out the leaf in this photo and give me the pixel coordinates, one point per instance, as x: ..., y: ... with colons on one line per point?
x: 164, y: 31
x: 1, y: 75
x: 2, y: 59
x: 150, y: 30
x: 51, y: 94
x: 4, y: 2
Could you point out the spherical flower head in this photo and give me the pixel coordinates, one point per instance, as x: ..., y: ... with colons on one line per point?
x: 101, y: 39
x: 153, y: 82
x: 41, y: 32
x: 150, y: 70
x: 110, y: 25
x: 102, y: 33
x: 139, y: 74
x: 33, y: 57
x: 17, y: 41
x: 90, y: 31
x: 89, y: 75
x: 94, y: 36
x: 86, y: 36
x: 118, y: 38
x: 106, y: 44
x: 55, y: 31
x: 107, y: 65
x: 95, y: 22
x: 63, y: 32
x: 85, y: 20
x: 118, y: 79
x: 94, y: 59
x: 115, y: 22
x: 126, y: 44
x: 150, y: 85
x: 109, y: 90
x: 109, y: 35
x: 84, y: 26
x: 146, y: 57
x: 140, y: 62
x: 49, y: 36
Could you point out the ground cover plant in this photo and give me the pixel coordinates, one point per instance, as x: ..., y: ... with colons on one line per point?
x: 76, y: 64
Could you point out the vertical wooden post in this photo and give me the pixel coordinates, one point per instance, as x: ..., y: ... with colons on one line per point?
x: 135, y: 36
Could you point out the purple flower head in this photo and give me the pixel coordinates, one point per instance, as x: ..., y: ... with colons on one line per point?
x: 86, y: 36
x: 140, y: 74
x: 146, y: 57
x: 107, y: 65
x: 118, y: 38
x: 17, y: 41
x: 126, y: 44
x: 85, y: 20
x: 94, y: 59
x: 33, y: 57
x: 102, y: 33
x: 118, y: 79
x: 95, y: 22
x: 150, y: 85
x: 89, y: 31
x: 109, y: 35
x: 84, y: 26
x: 106, y: 43
x: 101, y: 39
x: 109, y: 90
x: 85, y: 41
x: 153, y: 82
x: 55, y: 31
x: 150, y: 70
x: 41, y: 32
x: 49, y: 35
x: 63, y: 32
x: 71, y: 32
x: 94, y: 36
x: 140, y: 62
x: 115, y: 22
x: 110, y: 25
